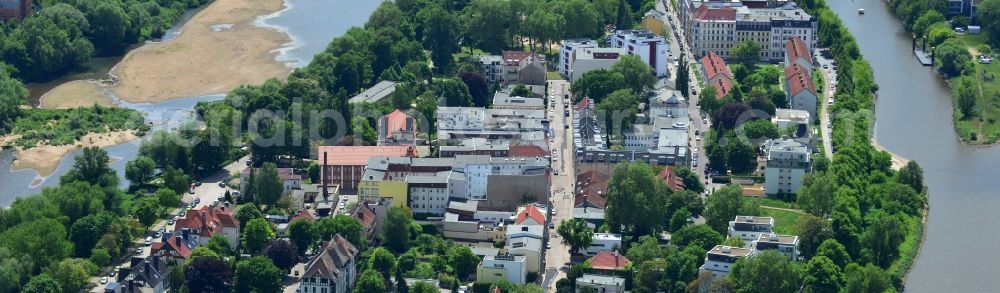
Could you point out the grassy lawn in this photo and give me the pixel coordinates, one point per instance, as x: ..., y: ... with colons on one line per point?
x: 774, y: 202
x: 784, y: 221
x: 983, y: 127
x: 553, y: 75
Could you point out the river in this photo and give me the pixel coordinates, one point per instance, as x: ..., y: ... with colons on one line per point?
x: 914, y: 121
x: 310, y: 23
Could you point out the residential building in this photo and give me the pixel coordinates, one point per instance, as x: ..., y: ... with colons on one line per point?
x: 749, y: 228
x: 716, y: 73
x: 800, y: 89
x: 787, y: 245
x: 503, y: 100
x: 528, y: 247
x: 603, y: 242
x: 499, y: 126
x: 502, y: 267
x: 430, y: 194
x: 371, y: 215
x: 797, y: 52
x: 524, y: 230
x: 651, y: 48
x: 14, y: 9
x: 530, y: 215
x: 290, y: 179
x: 600, y: 283
x: 711, y: 28
x: 788, y: 161
x: 567, y: 49
x: 175, y: 245
x: 459, y: 227
x: 720, y: 260
x: 333, y: 270
x: 492, y: 68
x: 344, y: 165
x: 717, y: 26
x: 609, y: 261
x: 201, y: 224
x: 527, y: 151
x: 377, y: 93
x: 397, y: 128
x: 792, y: 118
x: 586, y: 59
x: 671, y: 179
x: 474, y: 146
x: 653, y: 21
x: 143, y: 274
x: 522, y: 67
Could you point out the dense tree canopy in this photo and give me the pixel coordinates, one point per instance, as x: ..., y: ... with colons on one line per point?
x: 636, y: 200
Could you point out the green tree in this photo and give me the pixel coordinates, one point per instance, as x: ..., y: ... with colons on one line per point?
x: 741, y: 156
x: 576, y: 233
x: 619, y: 108
x: 834, y: 251
x: 966, y: 96
x: 488, y: 24
x: 925, y: 21
x: 347, y: 226
x: 691, y: 180
x: 72, y: 273
x: 636, y: 200
x: 176, y: 180
x: 147, y: 211
x: 43, y: 283
x: 521, y: 91
x: 746, y: 53
x: 683, y: 79
x: 246, y: 213
x: 881, y: 239
x: 868, y: 278
x: 441, y: 34
x: 767, y: 271
x: 822, y: 275
x: 954, y: 57
x: 463, y: 260
x: 423, y: 287
x: 283, y: 254
x: 396, y: 230
x: 651, y: 275
x: 698, y: 235
x: 168, y: 198
x: 816, y: 195
x: 370, y: 281
x: 454, y: 92
x: 269, y: 185
x: 708, y: 99
x: 257, y: 274
x: 44, y: 240
x: 988, y: 15
x: 100, y: 257
x: 219, y: 243
x: 363, y: 130
x: 639, y: 77
x: 646, y: 249
x: 679, y: 219
x: 382, y: 260
x: 140, y: 170
x: 813, y: 231
x: 92, y: 167
x: 581, y: 19
x: 911, y: 174
x: 597, y: 84
x: 723, y: 206
x: 301, y: 233
x: 256, y: 235
x: 207, y: 274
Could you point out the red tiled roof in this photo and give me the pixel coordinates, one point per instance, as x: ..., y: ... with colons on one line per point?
x: 590, y: 177
x: 364, y: 214
x: 532, y: 212
x: 174, y: 243
x: 516, y: 55
x: 359, y: 155
x: 595, y: 200
x: 526, y: 151
x: 722, y: 88
x: 606, y: 260
x: 207, y: 221
x: 584, y: 103
x: 796, y: 48
x: 673, y: 181
x: 799, y: 79
x: 289, y: 174
x: 714, y: 65
x: 496, y: 289
x: 397, y: 120
x: 305, y: 215
x: 723, y: 13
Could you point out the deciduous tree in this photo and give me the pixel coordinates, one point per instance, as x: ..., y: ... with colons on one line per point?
x: 257, y: 274
x: 256, y: 235
x: 576, y: 233
x: 767, y: 271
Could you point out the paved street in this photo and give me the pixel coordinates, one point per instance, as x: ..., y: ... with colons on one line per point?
x: 829, y: 82
x: 562, y: 184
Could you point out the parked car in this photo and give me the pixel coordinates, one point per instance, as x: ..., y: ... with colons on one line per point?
x: 222, y: 184
x: 149, y: 240
x: 138, y: 250
x: 104, y: 280
x: 170, y: 222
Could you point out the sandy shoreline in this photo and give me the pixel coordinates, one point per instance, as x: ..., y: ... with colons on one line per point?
x: 45, y: 159
x: 79, y: 93
x: 220, y: 48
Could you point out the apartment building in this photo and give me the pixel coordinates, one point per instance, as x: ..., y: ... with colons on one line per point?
x: 717, y: 26
x: 651, y: 48
x: 787, y: 163
x: 720, y: 260
x: 567, y: 48
x: 749, y: 228
x: 603, y: 242
x: 787, y: 245
x: 491, y: 67
x: 585, y: 60
x: 716, y: 73
x: 502, y: 267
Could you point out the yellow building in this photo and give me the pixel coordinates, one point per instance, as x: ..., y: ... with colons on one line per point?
x: 372, y: 189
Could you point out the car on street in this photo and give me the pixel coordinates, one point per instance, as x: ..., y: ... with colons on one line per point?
x: 191, y: 190
x: 158, y: 234
x: 138, y: 250
x: 697, y: 138
x: 197, y: 200
x: 170, y: 222
x: 825, y: 66
x: 148, y: 241
x: 830, y: 101
x: 222, y: 184
x: 104, y: 280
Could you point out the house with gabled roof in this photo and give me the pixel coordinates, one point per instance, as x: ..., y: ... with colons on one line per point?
x: 530, y: 215
x: 333, y: 270
x: 797, y: 52
x: 609, y: 261
x: 800, y: 89
x: 204, y: 223
x: 716, y: 73
x: 176, y: 245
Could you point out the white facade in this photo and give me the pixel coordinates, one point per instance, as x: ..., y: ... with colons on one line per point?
x: 507, y: 267
x: 604, y: 242
x: 492, y: 68
x: 790, y: 117
x: 585, y: 60
x: 712, y: 35
x: 749, y: 228
x: 720, y: 260
x: 651, y: 48
x: 601, y: 283
x: 530, y: 248
x: 428, y: 194
x: 492, y: 216
x: 566, y: 50
x: 788, y: 161
x: 787, y: 245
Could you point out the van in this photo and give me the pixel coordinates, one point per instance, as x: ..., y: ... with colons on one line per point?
x: 149, y: 240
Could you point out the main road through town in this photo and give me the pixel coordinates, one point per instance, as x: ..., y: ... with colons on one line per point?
x: 561, y: 145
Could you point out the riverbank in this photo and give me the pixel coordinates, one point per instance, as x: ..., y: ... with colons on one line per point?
x: 220, y: 48
x: 44, y: 159
x: 74, y: 94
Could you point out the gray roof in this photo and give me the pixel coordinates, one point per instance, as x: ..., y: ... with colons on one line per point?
x: 600, y: 279
x: 376, y: 93
x: 524, y: 242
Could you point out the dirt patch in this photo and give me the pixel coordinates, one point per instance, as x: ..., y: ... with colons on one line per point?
x: 45, y: 159
x: 75, y: 94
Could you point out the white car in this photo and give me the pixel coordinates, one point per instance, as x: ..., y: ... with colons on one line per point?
x: 830, y: 101
x: 104, y: 280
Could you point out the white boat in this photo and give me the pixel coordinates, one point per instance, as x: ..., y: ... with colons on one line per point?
x: 861, y: 11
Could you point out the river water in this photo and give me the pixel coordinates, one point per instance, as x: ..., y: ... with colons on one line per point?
x: 914, y: 120
x: 310, y: 23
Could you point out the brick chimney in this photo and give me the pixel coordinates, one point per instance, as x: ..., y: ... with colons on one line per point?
x: 323, y: 177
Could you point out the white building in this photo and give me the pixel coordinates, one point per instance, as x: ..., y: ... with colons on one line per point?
x: 786, y: 118
x: 585, y: 60
x: 787, y: 245
x: 717, y: 26
x: 788, y: 161
x: 600, y: 283
x: 517, y: 231
x: 720, y: 260
x: 430, y: 194
x: 566, y: 50
x: 492, y: 68
x: 749, y: 228
x: 603, y: 242
x: 333, y: 270
x: 530, y: 248
x: 651, y: 48
x: 502, y: 267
